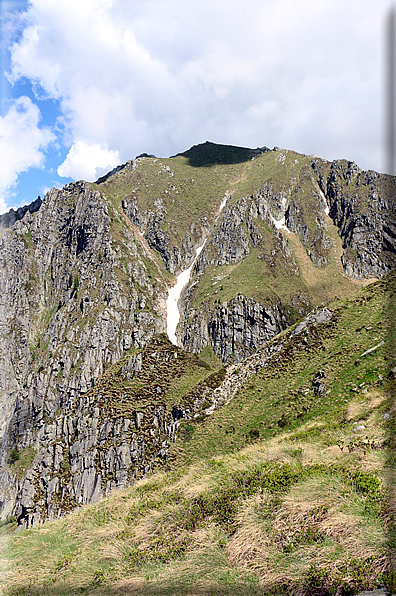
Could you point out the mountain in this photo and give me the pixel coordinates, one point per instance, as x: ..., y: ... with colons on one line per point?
x: 93, y: 394
x: 283, y: 489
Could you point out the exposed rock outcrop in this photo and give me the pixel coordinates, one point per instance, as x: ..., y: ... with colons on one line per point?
x: 8, y: 219
x: 235, y: 329
x: 150, y: 223
x: 363, y: 207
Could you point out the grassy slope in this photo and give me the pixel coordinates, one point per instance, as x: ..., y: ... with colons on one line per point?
x: 273, y: 492
x: 266, y: 274
x: 191, y: 187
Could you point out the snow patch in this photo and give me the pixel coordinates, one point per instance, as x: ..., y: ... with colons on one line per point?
x: 172, y: 306
x: 222, y: 204
x: 280, y: 224
x: 326, y: 206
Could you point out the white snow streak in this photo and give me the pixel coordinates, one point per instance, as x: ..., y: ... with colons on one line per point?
x: 280, y: 224
x: 326, y: 207
x: 172, y: 307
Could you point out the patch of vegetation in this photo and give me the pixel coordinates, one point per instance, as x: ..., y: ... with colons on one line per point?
x: 27, y: 239
x: 76, y: 283
x: 21, y: 461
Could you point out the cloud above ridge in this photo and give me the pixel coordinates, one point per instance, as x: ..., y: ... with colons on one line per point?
x: 162, y: 75
x: 88, y: 162
x: 22, y: 144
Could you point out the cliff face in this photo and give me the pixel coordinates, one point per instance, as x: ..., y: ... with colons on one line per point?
x: 70, y: 306
x: 8, y: 219
x: 362, y: 205
x: 91, y: 393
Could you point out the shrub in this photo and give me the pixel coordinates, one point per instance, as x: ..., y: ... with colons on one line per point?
x: 366, y: 482
x: 14, y: 456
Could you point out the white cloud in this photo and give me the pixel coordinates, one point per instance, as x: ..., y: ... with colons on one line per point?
x: 88, y: 162
x: 22, y: 143
x: 162, y: 75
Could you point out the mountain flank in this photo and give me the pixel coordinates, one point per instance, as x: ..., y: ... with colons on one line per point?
x: 285, y: 334
x: 282, y: 489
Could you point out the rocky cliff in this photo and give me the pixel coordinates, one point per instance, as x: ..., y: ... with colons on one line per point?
x: 8, y: 219
x: 71, y: 304
x: 91, y: 392
x: 362, y: 206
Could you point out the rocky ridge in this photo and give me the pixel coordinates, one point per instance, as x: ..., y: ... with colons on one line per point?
x: 8, y: 219
x: 83, y: 283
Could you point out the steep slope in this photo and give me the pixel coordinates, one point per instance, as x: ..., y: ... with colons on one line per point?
x: 84, y: 283
x: 300, y: 510
x: 255, y: 277
x: 75, y: 294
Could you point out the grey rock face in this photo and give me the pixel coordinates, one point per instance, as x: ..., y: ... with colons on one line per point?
x: 241, y: 327
x: 362, y: 205
x: 239, y: 373
x: 235, y: 329
x: 93, y: 448
x: 8, y: 219
x: 66, y: 313
x: 323, y: 315
x: 229, y: 242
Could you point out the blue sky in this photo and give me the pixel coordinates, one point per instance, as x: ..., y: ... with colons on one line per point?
x: 86, y: 85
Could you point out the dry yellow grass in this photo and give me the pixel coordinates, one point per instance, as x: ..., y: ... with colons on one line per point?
x: 320, y: 519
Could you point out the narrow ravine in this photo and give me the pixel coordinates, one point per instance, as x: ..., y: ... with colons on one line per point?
x: 172, y: 306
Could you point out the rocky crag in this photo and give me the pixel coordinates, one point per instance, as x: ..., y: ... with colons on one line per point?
x: 84, y: 281
x: 113, y: 434
x: 8, y: 219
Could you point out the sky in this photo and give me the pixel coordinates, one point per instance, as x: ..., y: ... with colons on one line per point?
x: 86, y: 85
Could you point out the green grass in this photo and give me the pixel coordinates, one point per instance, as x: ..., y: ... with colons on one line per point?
x: 21, y: 461
x: 302, y: 504
x: 282, y: 395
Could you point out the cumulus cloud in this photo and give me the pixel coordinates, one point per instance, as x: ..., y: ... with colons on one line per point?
x: 88, y: 162
x: 162, y: 75
x: 22, y: 144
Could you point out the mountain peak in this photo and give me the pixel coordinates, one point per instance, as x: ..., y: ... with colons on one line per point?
x: 208, y: 154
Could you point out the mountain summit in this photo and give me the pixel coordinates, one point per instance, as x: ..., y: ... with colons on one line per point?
x: 92, y: 391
